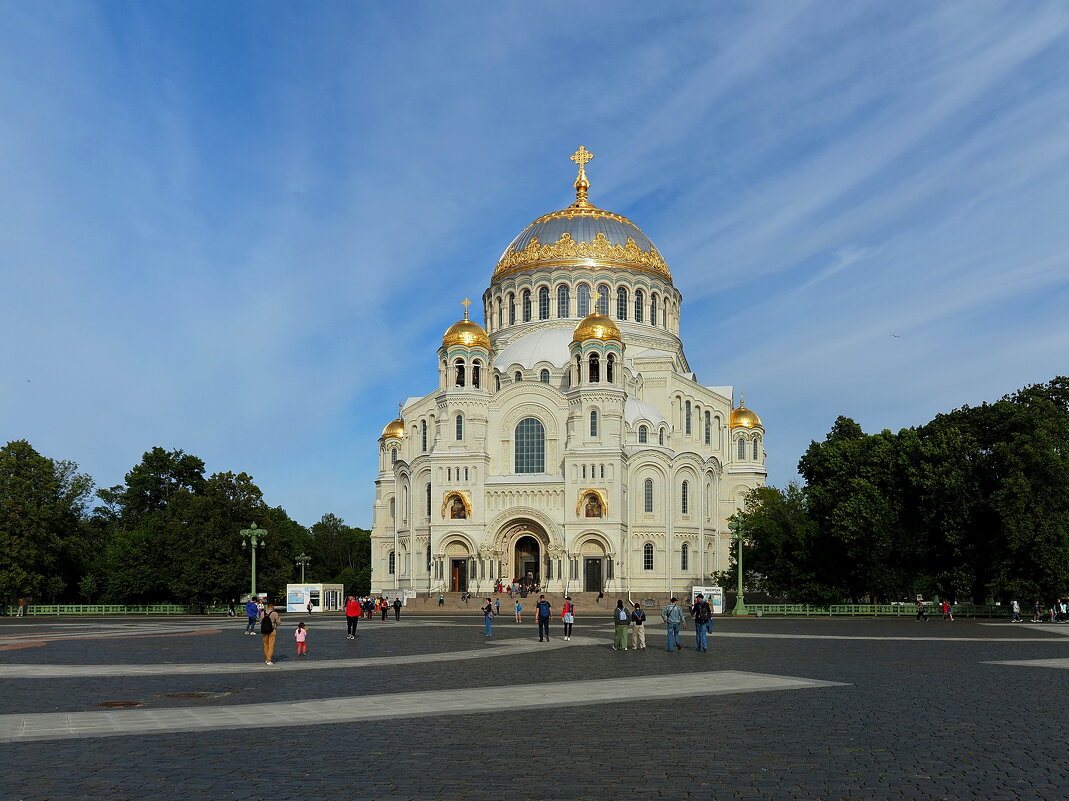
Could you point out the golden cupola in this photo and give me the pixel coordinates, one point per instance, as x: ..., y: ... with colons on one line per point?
x: 596, y: 326
x: 396, y: 428
x: 466, y: 333
x: 743, y: 417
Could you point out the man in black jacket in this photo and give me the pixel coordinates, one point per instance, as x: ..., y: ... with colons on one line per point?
x: 703, y: 616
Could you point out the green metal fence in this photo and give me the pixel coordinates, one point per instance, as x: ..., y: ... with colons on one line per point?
x: 108, y: 609
x: 872, y: 610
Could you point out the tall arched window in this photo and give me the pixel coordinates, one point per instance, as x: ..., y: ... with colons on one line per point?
x: 392, y: 559
x: 742, y: 448
x: 593, y: 423
x: 683, y: 554
x: 544, y: 376
x: 603, y: 300
x: 653, y: 309
x: 643, y: 435
x: 686, y: 417
x: 594, y: 370
x: 393, y: 455
x: 610, y: 372
x: 500, y: 315
x: 460, y: 427
x: 497, y: 383
x: 647, y: 496
x: 664, y: 313
x: 543, y: 303
x: 476, y: 369
x: 393, y: 508
x: 647, y: 556
x: 684, y: 498
x: 512, y: 309
x: 530, y: 442
x: 423, y: 435
x: 458, y: 373
x: 660, y: 437
x: 755, y: 447
x: 428, y: 557
x: 562, y: 300
x: 640, y: 305
x: 621, y: 303
x: 527, y: 305
x: 708, y: 429
x: 583, y: 300
x: 428, y: 500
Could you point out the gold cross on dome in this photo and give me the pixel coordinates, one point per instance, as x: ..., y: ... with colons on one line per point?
x: 582, y: 156
x: 465, y: 303
x: 594, y: 298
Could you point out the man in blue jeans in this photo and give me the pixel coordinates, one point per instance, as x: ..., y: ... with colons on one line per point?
x: 672, y: 615
x: 488, y: 618
x: 252, y: 611
x: 542, y: 610
x: 703, y: 615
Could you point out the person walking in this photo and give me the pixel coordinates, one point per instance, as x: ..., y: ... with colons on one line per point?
x: 519, y: 612
x: 542, y: 612
x: 672, y: 615
x: 231, y: 609
x: 252, y: 612
x: 22, y: 607
x: 567, y: 615
x: 948, y: 612
x: 384, y: 608
x: 352, y: 617
x: 702, y: 614
x: 488, y: 618
x: 497, y: 606
x: 1015, y: 608
x: 269, y: 629
x: 308, y: 606
x: 397, y: 609
x: 441, y: 599
x: 920, y: 611
x: 301, y: 636
x: 620, y: 620
x: 1035, y: 612
x: 638, y: 631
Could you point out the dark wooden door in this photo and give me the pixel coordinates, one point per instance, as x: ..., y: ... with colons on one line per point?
x: 592, y: 575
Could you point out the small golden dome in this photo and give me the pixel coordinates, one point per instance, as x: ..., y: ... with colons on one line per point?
x: 395, y: 429
x: 743, y: 417
x: 596, y: 326
x: 466, y: 332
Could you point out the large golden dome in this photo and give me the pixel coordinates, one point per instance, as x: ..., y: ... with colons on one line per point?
x: 596, y: 326
x: 743, y: 417
x: 582, y: 235
x: 467, y: 333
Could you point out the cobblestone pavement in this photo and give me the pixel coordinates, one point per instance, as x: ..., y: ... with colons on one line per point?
x: 932, y: 710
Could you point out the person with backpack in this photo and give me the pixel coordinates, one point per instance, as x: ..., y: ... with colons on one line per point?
x: 702, y: 614
x: 672, y: 615
x: 488, y: 618
x: 269, y: 624
x: 542, y: 611
x: 620, y: 620
x: 567, y: 616
x: 638, y: 633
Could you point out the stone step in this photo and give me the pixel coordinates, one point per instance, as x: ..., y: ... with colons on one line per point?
x: 586, y: 603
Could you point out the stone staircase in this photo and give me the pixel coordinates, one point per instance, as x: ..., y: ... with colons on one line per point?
x: 586, y: 604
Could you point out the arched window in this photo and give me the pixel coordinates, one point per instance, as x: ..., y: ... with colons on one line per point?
x: 579, y: 369
x: 755, y: 447
x: 512, y: 308
x: 562, y: 300
x: 742, y: 448
x: 647, y: 556
x: 602, y: 470
x: 428, y: 557
x: 449, y: 474
x: 640, y: 305
x: 459, y: 373
x: 594, y: 371
x: 660, y: 437
x: 593, y: 423
x: 653, y: 309
x: 610, y: 363
x: 583, y: 300
x: 460, y: 427
x: 686, y: 418
x: 603, y: 300
x: 517, y: 376
x: 683, y: 554
x: 664, y: 313
x: 497, y: 383
x: 392, y: 562
x: 423, y: 435
x: 543, y: 303
x: 500, y: 315
x: 530, y: 442
x: 476, y: 369
x: 643, y: 435
x: 647, y: 496
x: 684, y: 498
x: 428, y: 499
x: 584, y: 471
x: 465, y: 474
x: 708, y: 429
x: 527, y: 305
x: 621, y: 303
x: 393, y: 508
x: 393, y: 455
x: 544, y: 376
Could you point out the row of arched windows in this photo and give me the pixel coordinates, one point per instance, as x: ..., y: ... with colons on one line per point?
x: 515, y: 308
x: 463, y: 375
x: 755, y: 448
x: 706, y: 420
x: 644, y: 435
x: 647, y: 497
x: 593, y: 368
x: 647, y: 556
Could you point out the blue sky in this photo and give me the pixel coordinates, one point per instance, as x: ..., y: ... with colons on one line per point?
x: 239, y: 229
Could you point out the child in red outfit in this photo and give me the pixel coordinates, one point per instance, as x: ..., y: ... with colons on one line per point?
x: 301, y: 635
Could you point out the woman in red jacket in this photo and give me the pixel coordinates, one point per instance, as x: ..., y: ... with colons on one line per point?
x: 567, y: 614
x: 352, y: 616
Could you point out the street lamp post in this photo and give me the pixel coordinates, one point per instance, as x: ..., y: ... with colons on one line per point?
x: 740, y: 600
x: 254, y: 536
x: 301, y: 561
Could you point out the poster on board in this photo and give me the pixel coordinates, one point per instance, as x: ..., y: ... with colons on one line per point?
x: 714, y: 595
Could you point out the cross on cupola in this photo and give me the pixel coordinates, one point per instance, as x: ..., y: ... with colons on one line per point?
x: 465, y: 303
x: 581, y: 157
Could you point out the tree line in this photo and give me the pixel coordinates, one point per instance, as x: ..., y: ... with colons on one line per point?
x: 167, y: 534
x: 974, y: 505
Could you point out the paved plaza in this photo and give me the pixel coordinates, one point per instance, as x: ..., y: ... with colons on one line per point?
x: 429, y: 708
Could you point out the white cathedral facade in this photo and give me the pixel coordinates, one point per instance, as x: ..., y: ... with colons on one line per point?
x: 568, y: 441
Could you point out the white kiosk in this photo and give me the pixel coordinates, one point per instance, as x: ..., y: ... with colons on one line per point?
x: 324, y: 597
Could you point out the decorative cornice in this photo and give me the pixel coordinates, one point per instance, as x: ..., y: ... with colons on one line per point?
x: 566, y: 251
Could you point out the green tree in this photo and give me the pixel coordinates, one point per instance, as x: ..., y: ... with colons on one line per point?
x: 88, y: 587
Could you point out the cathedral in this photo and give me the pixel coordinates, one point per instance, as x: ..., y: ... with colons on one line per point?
x: 567, y: 444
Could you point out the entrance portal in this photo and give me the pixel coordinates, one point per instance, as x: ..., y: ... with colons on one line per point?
x: 458, y: 575
x: 528, y: 560
x: 592, y: 575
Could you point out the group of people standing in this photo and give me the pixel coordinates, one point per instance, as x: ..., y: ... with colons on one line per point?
x: 356, y: 608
